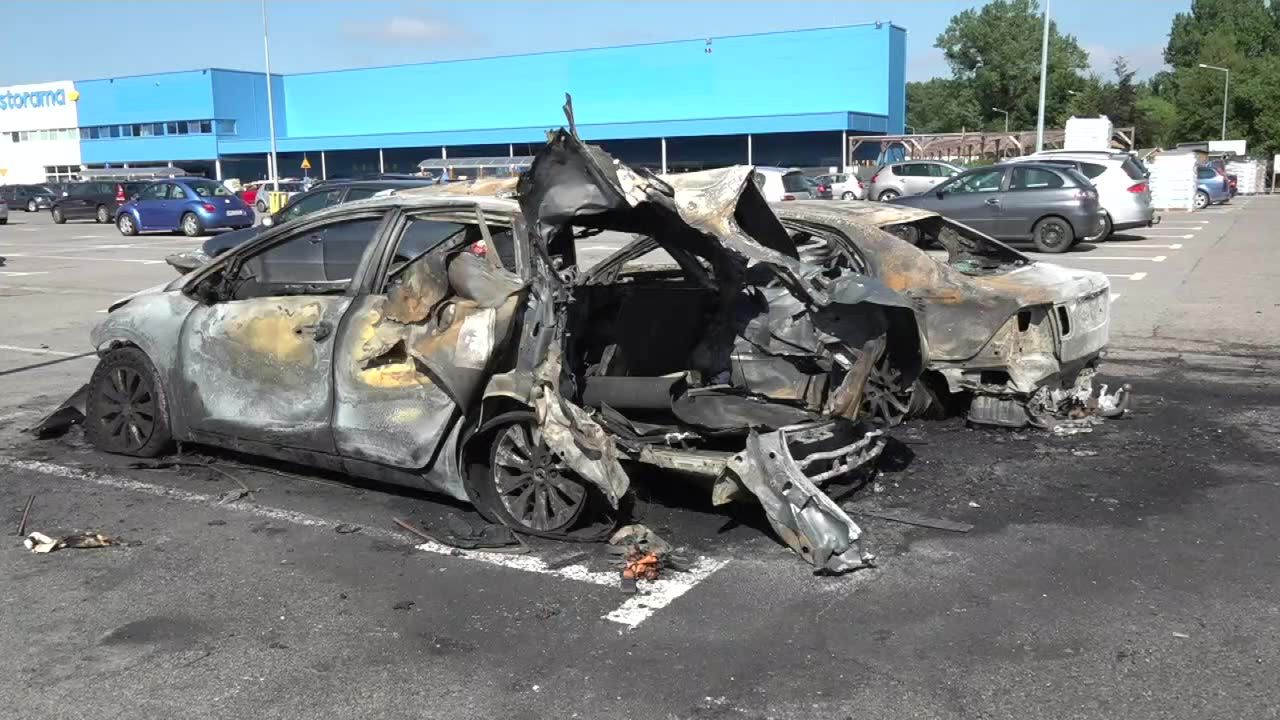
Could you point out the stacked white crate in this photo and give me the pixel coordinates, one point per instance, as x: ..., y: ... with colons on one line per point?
x: 1249, y: 176
x: 1087, y: 134
x: 1173, y: 181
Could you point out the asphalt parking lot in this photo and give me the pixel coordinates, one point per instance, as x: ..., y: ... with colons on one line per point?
x: 1129, y: 572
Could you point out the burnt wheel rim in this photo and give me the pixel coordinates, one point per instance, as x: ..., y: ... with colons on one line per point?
x: 884, y: 398
x: 128, y: 408
x: 535, y: 486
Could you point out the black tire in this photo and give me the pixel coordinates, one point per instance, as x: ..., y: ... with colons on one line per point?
x: 4, y: 221
x: 31, y: 206
x: 1053, y: 235
x: 126, y: 225
x: 1202, y: 200
x: 888, y: 195
x: 513, y: 475
x: 127, y: 412
x: 260, y: 206
x: 1105, y: 233
x: 102, y: 215
x: 58, y: 217
x: 190, y: 225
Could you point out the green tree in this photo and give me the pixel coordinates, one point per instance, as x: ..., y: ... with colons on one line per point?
x: 1155, y: 121
x: 995, y: 51
x: 942, y: 105
x: 1252, y: 25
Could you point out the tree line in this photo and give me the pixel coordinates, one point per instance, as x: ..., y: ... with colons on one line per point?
x: 994, y: 57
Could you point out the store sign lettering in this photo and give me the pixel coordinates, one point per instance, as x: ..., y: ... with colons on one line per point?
x: 37, y: 99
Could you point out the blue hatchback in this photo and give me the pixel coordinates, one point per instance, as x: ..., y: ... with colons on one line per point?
x: 1212, y: 187
x: 191, y: 205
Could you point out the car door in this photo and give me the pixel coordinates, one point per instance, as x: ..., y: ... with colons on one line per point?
x: 174, y: 205
x: 256, y: 362
x: 148, y: 205
x: 1031, y: 195
x: 937, y: 175
x: 415, y: 351
x: 915, y: 179
x: 307, y: 203
x: 973, y: 198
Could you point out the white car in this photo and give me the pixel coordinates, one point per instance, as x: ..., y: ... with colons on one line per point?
x: 1123, y: 190
x: 844, y: 186
x: 778, y: 184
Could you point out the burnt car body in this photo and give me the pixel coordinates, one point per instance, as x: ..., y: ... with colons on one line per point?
x: 1024, y: 337
x: 448, y: 340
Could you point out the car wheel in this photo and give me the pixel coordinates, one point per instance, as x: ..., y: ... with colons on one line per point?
x: 103, y: 215
x: 1202, y: 200
x: 888, y: 195
x: 1105, y: 232
x: 846, y: 195
x: 261, y: 206
x: 126, y: 225
x: 1053, y: 235
x: 523, y: 484
x: 191, y: 226
x: 126, y: 411
x: 31, y: 206
x: 58, y: 217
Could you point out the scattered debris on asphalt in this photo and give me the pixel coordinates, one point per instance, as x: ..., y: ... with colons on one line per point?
x: 26, y: 511
x: 484, y: 540
x: 231, y: 496
x: 908, y: 518
x: 639, y: 565
x: 639, y: 537
x: 973, y: 504
x: 404, y: 605
x: 38, y: 542
x: 346, y: 528
x: 66, y: 416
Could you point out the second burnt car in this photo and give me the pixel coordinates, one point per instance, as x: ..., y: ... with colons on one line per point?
x: 449, y: 341
x: 1022, y: 338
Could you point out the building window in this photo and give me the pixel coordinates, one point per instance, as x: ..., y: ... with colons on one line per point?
x: 225, y: 127
x: 26, y: 136
x: 206, y: 127
x: 171, y: 128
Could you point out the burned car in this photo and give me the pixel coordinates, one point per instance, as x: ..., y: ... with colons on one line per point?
x: 1024, y: 338
x: 450, y: 341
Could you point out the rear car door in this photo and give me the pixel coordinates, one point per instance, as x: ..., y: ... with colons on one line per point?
x: 256, y: 360
x: 974, y: 199
x: 1033, y: 193
x: 414, y: 353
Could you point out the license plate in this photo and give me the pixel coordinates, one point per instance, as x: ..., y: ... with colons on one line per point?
x: 231, y: 213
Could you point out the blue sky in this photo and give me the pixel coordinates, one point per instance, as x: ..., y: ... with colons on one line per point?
x: 104, y: 39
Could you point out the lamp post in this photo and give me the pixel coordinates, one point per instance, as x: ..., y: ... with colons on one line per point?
x: 910, y: 130
x: 1226, y: 87
x: 1044, y: 78
x: 271, y: 110
x: 1006, y: 118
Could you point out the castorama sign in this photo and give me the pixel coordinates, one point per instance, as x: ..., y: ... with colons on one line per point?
x: 46, y: 106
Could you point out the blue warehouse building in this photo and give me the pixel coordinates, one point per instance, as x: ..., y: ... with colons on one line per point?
x: 785, y: 98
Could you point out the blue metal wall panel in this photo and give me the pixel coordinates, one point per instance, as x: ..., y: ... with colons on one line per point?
x: 897, y: 81
x: 242, y: 96
x: 146, y: 98
x: 149, y: 149
x: 804, y: 72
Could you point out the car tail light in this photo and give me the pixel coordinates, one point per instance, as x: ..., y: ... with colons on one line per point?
x: 861, y: 186
x: 120, y: 198
x: 788, y: 197
x: 1138, y: 187
x: 209, y: 208
x: 874, y: 178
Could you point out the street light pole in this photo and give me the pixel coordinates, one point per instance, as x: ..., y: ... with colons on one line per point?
x: 1044, y: 78
x: 1006, y: 118
x: 271, y: 109
x: 1226, y: 87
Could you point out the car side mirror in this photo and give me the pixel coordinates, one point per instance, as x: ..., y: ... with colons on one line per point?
x: 940, y: 193
x: 268, y: 221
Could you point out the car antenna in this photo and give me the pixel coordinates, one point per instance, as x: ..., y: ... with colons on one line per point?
x: 568, y: 114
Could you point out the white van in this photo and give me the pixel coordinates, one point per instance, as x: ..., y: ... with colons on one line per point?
x: 780, y: 184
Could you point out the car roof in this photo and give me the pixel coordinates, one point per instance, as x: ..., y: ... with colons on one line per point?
x: 874, y: 213
x: 770, y: 170
x: 1077, y: 156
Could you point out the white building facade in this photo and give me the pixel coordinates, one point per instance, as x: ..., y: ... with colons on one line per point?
x: 39, y: 133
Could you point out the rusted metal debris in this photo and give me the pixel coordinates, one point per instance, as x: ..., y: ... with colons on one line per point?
x: 38, y: 542
x: 26, y: 510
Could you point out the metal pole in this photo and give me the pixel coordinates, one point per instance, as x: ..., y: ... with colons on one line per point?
x: 750, y: 160
x: 1226, y: 87
x: 1044, y: 78
x: 664, y: 156
x: 271, y: 110
x: 382, y: 164
x: 844, y: 151
x: 324, y: 170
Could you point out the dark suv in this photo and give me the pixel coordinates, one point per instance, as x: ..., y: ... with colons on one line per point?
x: 27, y: 197
x: 323, y: 195
x: 94, y: 200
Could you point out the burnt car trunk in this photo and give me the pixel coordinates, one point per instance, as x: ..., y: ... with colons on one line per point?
x: 746, y: 367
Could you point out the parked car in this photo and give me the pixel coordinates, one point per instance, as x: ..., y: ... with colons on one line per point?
x: 1052, y: 206
x: 1212, y: 187
x: 190, y: 205
x: 909, y: 178
x: 372, y: 339
x: 1123, y: 190
x: 779, y: 184
x: 1022, y: 337
x: 817, y: 188
x: 299, y: 206
x: 255, y: 194
x: 4, y: 212
x: 845, y: 186
x: 94, y: 200
x: 27, y: 197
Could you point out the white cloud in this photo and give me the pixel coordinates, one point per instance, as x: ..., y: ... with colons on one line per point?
x: 407, y: 31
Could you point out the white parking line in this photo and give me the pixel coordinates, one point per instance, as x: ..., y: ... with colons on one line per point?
x: 1157, y: 258
x: 1144, y: 246
x: 89, y: 237
x: 15, y: 273
x: 96, y: 259
x: 653, y: 596
x: 1128, y: 276
x: 1179, y: 236
x: 39, y: 351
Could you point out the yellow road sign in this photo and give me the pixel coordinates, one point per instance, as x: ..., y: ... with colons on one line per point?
x: 306, y: 164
